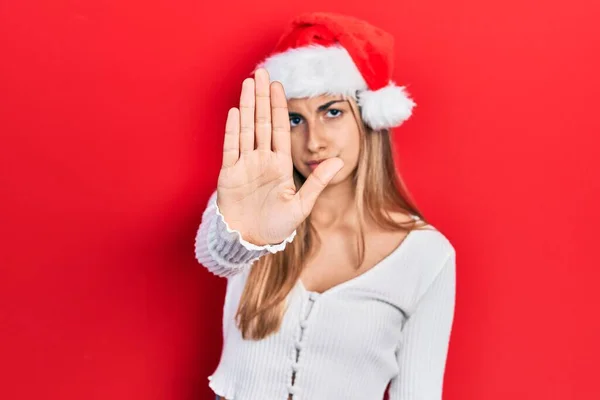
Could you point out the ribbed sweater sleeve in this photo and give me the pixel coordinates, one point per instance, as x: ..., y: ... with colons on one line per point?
x: 222, y: 250
x: 425, y: 341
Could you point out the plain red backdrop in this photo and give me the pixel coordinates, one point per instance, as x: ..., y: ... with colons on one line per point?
x: 111, y: 121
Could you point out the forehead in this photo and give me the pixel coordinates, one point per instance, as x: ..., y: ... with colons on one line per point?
x: 312, y: 103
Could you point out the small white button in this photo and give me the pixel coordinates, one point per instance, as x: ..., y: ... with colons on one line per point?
x: 292, y: 390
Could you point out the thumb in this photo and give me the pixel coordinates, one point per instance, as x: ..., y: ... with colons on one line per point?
x: 316, y: 182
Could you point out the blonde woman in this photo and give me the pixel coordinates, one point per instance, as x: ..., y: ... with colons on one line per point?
x: 337, y: 287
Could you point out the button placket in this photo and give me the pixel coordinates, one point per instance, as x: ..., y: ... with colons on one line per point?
x: 298, y: 343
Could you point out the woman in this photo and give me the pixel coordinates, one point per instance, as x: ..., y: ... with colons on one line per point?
x: 336, y: 285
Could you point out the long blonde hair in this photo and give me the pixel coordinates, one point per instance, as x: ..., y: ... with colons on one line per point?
x: 379, y: 189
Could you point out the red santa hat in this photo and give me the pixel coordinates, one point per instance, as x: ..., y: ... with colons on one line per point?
x: 324, y: 53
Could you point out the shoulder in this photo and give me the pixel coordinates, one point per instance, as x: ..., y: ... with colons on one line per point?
x: 428, y: 252
x: 428, y: 237
x: 434, y: 240
x: 424, y: 255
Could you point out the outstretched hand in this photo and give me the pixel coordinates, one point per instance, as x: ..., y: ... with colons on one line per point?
x: 255, y: 191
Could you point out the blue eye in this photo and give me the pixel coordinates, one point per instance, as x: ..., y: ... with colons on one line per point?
x: 295, y: 120
x: 335, y: 112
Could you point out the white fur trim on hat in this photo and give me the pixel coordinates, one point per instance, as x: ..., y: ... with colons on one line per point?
x: 387, y: 107
x: 317, y: 70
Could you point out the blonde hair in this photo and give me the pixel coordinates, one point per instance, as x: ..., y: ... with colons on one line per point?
x: 379, y: 189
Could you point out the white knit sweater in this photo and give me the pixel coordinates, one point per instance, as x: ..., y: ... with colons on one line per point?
x: 390, y: 325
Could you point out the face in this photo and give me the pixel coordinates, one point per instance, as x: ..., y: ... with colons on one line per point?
x: 323, y: 127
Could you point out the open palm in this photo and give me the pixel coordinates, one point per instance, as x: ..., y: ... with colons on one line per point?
x: 255, y: 191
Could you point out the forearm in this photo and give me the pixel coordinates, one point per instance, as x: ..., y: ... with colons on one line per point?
x: 221, y: 249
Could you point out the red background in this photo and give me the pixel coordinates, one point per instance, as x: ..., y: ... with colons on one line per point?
x: 111, y: 119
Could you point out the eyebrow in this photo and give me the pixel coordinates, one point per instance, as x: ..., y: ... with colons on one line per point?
x: 322, y: 107
x: 328, y: 104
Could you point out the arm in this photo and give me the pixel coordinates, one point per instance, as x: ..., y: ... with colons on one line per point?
x: 222, y: 250
x: 424, y: 345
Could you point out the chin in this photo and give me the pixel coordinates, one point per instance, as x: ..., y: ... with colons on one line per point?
x: 340, y: 177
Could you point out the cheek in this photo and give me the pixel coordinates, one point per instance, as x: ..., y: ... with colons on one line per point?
x: 296, y: 149
x: 351, y: 143
x: 296, y: 141
x: 355, y: 148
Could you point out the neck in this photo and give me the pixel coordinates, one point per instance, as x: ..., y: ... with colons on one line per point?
x: 335, y: 206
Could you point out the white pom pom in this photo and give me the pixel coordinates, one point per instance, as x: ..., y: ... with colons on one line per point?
x: 387, y: 107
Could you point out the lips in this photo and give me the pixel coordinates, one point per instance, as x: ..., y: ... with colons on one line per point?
x: 315, y: 162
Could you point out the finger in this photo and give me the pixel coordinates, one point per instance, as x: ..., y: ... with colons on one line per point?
x: 247, y: 116
x: 263, y: 110
x: 316, y: 182
x: 231, y: 142
x: 281, y: 119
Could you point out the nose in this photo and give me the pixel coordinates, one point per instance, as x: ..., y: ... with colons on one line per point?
x: 317, y: 137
